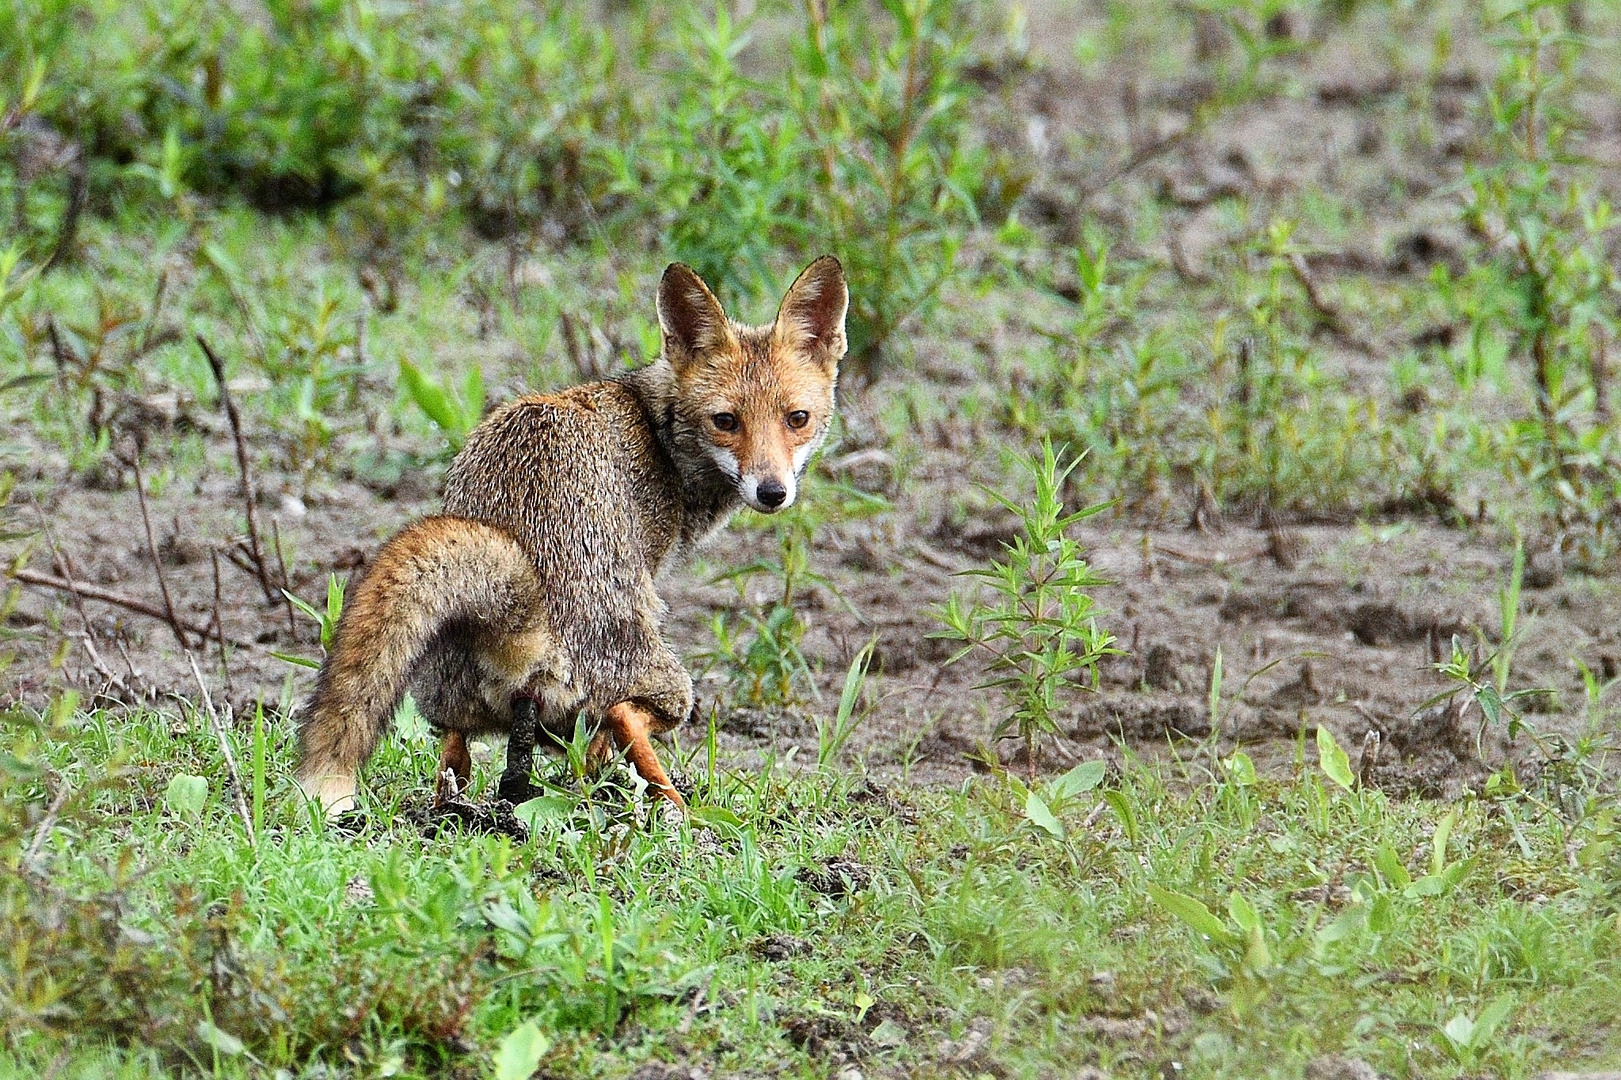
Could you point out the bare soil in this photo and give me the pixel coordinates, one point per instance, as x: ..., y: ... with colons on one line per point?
x: 1340, y: 628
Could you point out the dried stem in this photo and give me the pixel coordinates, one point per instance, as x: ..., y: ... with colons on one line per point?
x: 157, y: 562
x: 286, y: 591
x: 61, y: 562
x: 48, y: 822
x: 219, y: 621
x: 225, y: 752
x: 245, y: 467
x: 1601, y: 375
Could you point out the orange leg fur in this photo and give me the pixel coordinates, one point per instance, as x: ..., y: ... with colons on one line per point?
x: 455, y: 768
x: 628, y: 723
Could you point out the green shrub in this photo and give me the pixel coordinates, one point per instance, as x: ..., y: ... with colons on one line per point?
x: 1545, y: 284
x: 1038, y: 633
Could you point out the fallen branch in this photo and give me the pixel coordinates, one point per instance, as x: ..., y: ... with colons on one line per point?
x: 1325, y: 312
x: 107, y: 596
x: 1220, y: 558
x: 1137, y: 159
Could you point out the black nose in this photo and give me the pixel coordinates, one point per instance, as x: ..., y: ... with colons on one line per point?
x: 771, y: 493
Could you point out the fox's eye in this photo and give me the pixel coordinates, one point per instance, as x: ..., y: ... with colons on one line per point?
x: 724, y: 421
x: 798, y: 418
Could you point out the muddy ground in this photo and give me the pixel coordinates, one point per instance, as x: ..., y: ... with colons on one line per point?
x: 1339, y: 622
x: 1335, y: 624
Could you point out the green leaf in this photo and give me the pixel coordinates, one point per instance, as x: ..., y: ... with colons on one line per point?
x: 1335, y: 764
x: 1490, y: 1019
x: 544, y: 808
x: 1240, y: 769
x: 1442, y: 883
x: 520, y: 1052
x: 1190, y: 911
x: 715, y: 817
x: 301, y: 661
x: 1438, y: 843
x: 1035, y: 808
x: 1428, y: 885
x: 186, y: 795
x: 222, y: 1042
x: 1459, y: 1031
x: 1391, y: 867
x: 438, y: 403
x: 1082, y: 778
x: 1121, y: 805
x: 1243, y: 912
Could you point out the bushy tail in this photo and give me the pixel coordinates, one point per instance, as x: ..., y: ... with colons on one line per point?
x: 439, y: 570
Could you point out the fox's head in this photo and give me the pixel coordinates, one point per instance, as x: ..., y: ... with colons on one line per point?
x: 756, y: 399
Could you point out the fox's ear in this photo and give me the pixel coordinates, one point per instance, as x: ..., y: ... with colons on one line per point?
x: 690, y: 317
x: 811, y: 318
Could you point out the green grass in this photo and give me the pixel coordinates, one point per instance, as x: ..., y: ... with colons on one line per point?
x: 629, y: 940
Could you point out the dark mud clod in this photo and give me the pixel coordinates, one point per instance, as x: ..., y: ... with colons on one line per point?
x: 495, y: 818
x: 835, y: 877
x: 1159, y: 668
x: 778, y: 947
x: 515, y: 786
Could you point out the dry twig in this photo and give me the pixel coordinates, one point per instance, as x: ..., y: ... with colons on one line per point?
x: 245, y: 467
x: 286, y: 580
x: 107, y: 596
x: 157, y: 562
x: 225, y: 751
x: 219, y: 621
x: 47, y: 823
x: 1326, y: 313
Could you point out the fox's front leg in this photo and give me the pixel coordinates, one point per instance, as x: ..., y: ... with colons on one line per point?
x: 629, y: 725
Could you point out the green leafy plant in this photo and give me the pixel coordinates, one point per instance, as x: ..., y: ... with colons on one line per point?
x: 1242, y: 932
x: 1038, y: 634
x: 832, y: 734
x: 520, y: 1052
x: 456, y: 413
x: 327, y: 619
x: 881, y: 101
x: 1467, y: 1038
x: 1044, y: 804
x: 1536, y: 207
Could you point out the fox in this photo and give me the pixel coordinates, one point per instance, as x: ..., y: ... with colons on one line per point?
x: 531, y: 599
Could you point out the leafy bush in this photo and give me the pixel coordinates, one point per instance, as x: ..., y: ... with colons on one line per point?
x: 1534, y: 204
x: 858, y: 147
x: 1038, y: 633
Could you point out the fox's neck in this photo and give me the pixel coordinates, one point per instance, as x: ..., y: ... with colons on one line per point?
x: 708, y: 496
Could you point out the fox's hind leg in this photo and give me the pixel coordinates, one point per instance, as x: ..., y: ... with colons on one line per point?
x: 630, y: 724
x: 455, y: 768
